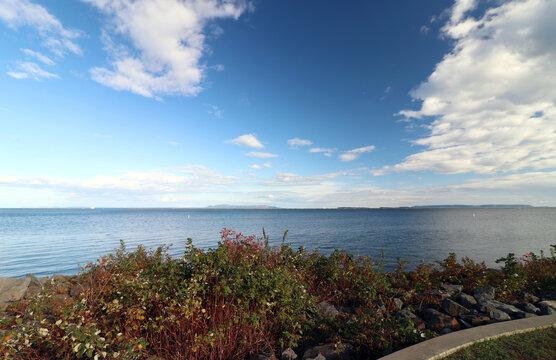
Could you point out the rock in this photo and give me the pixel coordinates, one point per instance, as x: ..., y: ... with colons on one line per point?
x: 417, y: 321
x: 529, y: 308
x: 437, y: 321
x: 438, y: 294
x: 523, y: 315
x: 466, y: 300
x: 498, y: 315
x: 547, y: 303
x: 548, y: 307
x: 489, y: 305
x: 528, y: 297
x: 59, y: 278
x: 265, y: 354
x: 77, y: 290
x: 446, y: 331
x: 327, y: 309
x: 34, y: 288
x: 453, y: 308
x: 12, y: 290
x: 397, y: 303
x: 329, y: 352
x: 288, y: 354
x: 484, y: 293
x: 452, y: 289
x: 475, y: 320
x: 464, y: 324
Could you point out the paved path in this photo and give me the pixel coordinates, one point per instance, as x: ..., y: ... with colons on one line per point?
x: 446, y: 344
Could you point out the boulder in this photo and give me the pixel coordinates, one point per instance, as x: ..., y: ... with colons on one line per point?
x: 437, y: 321
x: 438, y: 294
x: 475, y: 319
x: 327, y: 309
x: 464, y: 324
x: 484, y: 293
x: 528, y: 297
x: 397, y: 303
x: 466, y: 300
x: 446, y: 331
x: 528, y: 308
x: 329, y: 352
x: 547, y: 303
x: 12, y: 290
x: 498, y: 315
x: 265, y: 354
x: 417, y: 321
x: 489, y: 305
x: 77, y: 290
x: 452, y: 308
x: 452, y: 289
x: 548, y: 307
x: 288, y: 354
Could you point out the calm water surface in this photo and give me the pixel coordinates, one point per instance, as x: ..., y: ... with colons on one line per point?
x: 44, y: 242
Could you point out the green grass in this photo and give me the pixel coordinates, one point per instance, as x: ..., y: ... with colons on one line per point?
x: 537, y: 344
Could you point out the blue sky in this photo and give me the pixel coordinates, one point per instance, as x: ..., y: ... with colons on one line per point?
x: 173, y: 103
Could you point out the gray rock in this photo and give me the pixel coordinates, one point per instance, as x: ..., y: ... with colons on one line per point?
x: 329, y: 352
x: 438, y: 294
x: 453, y: 308
x: 437, y: 321
x: 265, y: 354
x: 466, y: 300
x: 12, y: 290
x: 484, y: 293
x: 529, y: 308
x: 446, y: 331
x: 464, y: 324
x: 397, y: 303
x: 417, y: 321
x: 327, y: 309
x: 475, y: 319
x: 489, y: 305
x: 452, y: 289
x: 547, y: 303
x: 498, y: 315
x: 77, y: 290
x: 523, y: 315
x: 530, y: 298
x: 288, y: 354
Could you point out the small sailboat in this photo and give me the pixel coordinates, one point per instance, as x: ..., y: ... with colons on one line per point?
x: 92, y: 207
x: 188, y: 217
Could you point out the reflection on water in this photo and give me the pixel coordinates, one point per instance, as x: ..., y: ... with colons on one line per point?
x: 44, y: 242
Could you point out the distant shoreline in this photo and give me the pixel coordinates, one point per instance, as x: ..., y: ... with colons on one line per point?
x: 417, y: 207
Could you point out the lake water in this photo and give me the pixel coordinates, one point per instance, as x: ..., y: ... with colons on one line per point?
x: 44, y: 242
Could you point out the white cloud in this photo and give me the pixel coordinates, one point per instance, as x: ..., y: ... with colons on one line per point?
x: 296, y: 142
x: 262, y: 155
x: 31, y: 70
x: 355, y: 153
x: 493, y: 97
x: 327, y: 151
x: 214, y: 110
x: 247, y: 140
x: 167, y: 42
x: 17, y: 13
x: 256, y: 167
x: 174, y: 143
x: 267, y: 165
x: 37, y: 55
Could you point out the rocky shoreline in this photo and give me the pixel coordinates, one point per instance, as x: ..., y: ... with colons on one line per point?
x: 448, y: 309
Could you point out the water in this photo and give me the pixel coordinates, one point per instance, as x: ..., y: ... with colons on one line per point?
x: 44, y: 242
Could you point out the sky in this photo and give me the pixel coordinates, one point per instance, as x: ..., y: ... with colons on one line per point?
x: 300, y: 104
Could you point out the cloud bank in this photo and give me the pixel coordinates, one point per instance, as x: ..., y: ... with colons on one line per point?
x: 493, y: 97
x: 157, y: 45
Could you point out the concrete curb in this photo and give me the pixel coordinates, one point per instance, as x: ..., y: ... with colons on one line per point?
x: 446, y: 344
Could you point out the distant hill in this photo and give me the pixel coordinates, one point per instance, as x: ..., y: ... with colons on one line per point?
x: 472, y: 206
x: 228, y: 206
